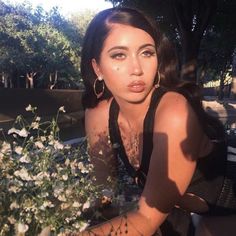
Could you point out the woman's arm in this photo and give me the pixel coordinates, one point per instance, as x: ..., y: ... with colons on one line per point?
x: 176, y: 141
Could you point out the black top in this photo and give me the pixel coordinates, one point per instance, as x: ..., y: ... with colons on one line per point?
x: 209, y: 178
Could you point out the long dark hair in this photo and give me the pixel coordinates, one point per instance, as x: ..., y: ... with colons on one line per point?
x: 96, y: 34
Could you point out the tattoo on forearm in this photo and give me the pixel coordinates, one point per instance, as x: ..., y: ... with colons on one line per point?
x: 121, y: 229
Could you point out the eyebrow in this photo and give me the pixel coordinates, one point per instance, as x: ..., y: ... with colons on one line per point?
x: 126, y: 48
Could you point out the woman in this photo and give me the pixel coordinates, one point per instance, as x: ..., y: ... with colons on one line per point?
x: 144, y: 126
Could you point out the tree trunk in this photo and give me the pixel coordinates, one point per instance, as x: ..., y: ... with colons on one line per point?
x: 192, y: 18
x: 30, y: 78
x: 190, y: 48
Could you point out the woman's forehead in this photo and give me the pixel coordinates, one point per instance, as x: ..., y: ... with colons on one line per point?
x: 125, y: 35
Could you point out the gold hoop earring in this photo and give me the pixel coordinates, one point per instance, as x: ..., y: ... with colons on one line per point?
x: 157, y: 84
x: 98, y: 94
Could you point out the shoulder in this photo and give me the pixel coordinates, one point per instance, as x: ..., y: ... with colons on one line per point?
x: 96, y: 119
x: 176, y: 117
x: 102, y: 109
x: 174, y: 106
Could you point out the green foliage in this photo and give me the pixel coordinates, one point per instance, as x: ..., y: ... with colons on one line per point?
x: 219, y: 41
x: 37, y: 42
x: 217, y: 38
x: 82, y: 19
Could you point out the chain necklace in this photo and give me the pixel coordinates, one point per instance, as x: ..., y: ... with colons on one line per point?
x: 134, y: 142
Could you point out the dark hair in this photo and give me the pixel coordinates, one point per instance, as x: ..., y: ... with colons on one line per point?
x: 97, y: 32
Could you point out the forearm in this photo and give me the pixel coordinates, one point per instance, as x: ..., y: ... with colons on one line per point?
x: 132, y: 223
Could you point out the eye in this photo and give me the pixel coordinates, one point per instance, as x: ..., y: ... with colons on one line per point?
x: 118, y: 56
x: 148, y: 53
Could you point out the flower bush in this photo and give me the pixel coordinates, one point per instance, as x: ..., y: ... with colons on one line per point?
x: 43, y: 182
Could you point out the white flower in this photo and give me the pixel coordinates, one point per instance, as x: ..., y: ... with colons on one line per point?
x: 24, y: 159
x: 61, y: 198
x: 23, y: 133
x: 65, y: 177
x: 58, y: 146
x: 13, y: 130
x: 76, y: 204
x: 18, y: 150
x: 69, y: 192
x: 23, y: 174
x: 41, y: 176
x: 14, y: 205
x: 65, y: 206
x: 100, y: 152
x: 43, y: 138
x: 78, y: 213
x: 83, y: 226
x: 5, y: 149
x: 67, y: 162
x: 48, y: 204
x: 12, y: 220
x: 82, y: 168
x: 86, y: 205
x: 14, y: 189
x: 29, y: 108
x: 37, y: 119
x: 35, y: 125
x: 39, y: 144
x: 44, y: 194
x: 62, y: 108
x: 22, y: 228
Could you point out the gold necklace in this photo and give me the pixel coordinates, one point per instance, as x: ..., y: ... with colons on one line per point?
x: 134, y: 142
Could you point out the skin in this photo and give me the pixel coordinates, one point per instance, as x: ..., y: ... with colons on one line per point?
x: 128, y: 65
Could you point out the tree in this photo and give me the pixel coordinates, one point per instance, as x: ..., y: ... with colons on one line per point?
x: 218, y: 45
x: 38, y: 47
x: 185, y: 21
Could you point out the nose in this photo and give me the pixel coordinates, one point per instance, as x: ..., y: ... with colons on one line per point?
x: 136, y: 67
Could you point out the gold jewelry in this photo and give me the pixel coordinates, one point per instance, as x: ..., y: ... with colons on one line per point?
x: 98, y: 94
x: 157, y: 84
x: 135, y: 142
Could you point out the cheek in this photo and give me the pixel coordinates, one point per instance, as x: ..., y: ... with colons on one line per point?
x: 111, y: 71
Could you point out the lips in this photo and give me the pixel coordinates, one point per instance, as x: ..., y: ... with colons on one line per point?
x: 136, y: 86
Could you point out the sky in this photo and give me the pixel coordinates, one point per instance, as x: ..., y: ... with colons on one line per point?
x: 68, y: 6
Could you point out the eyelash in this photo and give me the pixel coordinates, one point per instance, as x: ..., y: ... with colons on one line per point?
x: 148, y: 53
x: 120, y: 55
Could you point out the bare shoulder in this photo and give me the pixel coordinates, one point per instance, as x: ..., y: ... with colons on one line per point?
x: 101, y: 110
x: 174, y: 108
x: 96, y: 119
x: 176, y: 118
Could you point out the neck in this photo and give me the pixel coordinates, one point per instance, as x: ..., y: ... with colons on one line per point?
x: 134, y: 113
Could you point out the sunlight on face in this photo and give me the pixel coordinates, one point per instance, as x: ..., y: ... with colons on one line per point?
x: 128, y: 63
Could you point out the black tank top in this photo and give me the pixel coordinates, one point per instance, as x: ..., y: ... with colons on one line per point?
x: 209, y: 178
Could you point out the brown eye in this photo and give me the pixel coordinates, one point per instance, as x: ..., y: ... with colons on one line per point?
x: 148, y: 53
x: 118, y: 56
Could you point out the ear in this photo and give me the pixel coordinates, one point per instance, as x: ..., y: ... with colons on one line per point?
x: 96, y: 67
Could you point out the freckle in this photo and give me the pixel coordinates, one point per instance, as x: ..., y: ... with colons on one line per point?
x: 117, y: 68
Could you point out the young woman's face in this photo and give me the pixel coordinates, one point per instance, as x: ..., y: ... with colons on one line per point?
x: 128, y: 63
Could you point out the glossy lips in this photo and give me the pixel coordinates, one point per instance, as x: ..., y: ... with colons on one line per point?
x: 137, y: 86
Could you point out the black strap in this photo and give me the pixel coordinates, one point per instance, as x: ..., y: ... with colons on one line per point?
x: 115, y: 137
x: 117, y: 142
x: 148, y: 129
